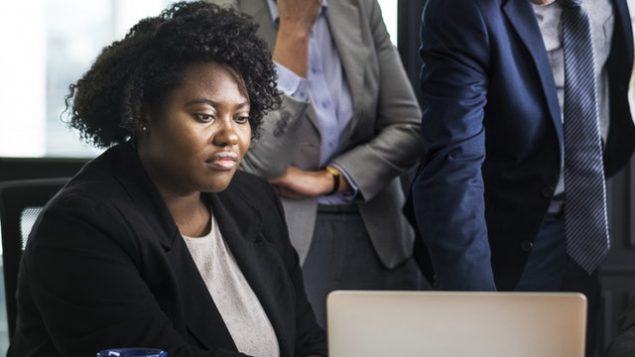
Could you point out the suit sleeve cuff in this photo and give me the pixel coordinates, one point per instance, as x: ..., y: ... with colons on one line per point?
x: 349, y: 180
x: 291, y: 84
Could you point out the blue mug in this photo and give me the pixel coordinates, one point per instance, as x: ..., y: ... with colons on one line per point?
x: 132, y: 352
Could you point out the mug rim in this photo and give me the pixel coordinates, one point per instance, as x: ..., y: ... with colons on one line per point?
x: 132, y: 352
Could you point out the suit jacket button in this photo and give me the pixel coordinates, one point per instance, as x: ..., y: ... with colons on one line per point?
x: 526, y: 245
x: 547, y: 191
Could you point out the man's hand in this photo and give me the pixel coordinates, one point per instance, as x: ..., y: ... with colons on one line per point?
x: 292, y: 42
x: 298, y: 15
x: 298, y: 184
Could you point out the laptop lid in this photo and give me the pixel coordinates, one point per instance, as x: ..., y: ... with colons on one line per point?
x: 442, y: 324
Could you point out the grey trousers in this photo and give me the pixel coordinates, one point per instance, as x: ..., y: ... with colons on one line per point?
x: 342, y: 257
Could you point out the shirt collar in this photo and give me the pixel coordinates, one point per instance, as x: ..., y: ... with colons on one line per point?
x: 273, y: 9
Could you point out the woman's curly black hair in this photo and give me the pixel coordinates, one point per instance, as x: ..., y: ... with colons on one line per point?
x: 106, y: 103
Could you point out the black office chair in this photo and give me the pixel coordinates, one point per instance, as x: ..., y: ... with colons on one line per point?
x: 20, y: 204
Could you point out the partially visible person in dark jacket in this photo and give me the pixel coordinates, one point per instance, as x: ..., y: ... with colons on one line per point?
x: 624, y: 344
x: 160, y: 242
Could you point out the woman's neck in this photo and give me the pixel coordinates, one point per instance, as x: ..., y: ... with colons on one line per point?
x: 190, y: 213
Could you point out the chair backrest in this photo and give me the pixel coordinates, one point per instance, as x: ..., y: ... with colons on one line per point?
x: 20, y: 204
x: 440, y: 324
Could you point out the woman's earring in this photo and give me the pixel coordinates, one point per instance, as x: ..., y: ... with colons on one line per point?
x: 144, y: 128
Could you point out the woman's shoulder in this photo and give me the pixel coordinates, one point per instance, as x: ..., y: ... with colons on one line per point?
x: 91, y: 195
x: 94, y: 194
x: 94, y: 184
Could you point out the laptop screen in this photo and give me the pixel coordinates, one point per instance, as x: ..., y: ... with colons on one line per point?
x: 443, y: 324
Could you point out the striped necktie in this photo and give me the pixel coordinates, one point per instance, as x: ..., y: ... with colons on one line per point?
x: 586, y: 223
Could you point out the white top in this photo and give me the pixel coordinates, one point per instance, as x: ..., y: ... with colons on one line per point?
x: 238, y: 305
x: 601, y: 19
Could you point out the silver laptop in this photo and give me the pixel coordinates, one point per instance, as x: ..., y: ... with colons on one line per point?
x: 454, y: 324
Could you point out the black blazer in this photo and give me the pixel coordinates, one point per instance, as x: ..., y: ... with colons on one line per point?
x: 105, y: 266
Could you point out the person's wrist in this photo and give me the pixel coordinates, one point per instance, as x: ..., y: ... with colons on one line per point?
x: 291, y: 51
x: 294, y: 31
x: 336, y: 176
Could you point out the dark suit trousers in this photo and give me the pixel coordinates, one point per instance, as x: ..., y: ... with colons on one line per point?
x: 342, y: 257
x: 550, y: 269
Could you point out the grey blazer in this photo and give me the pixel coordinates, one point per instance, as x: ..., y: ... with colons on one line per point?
x: 381, y: 143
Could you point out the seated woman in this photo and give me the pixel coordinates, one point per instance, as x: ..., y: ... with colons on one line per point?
x: 160, y: 242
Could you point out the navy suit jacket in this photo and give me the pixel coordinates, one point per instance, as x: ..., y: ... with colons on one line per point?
x: 493, y: 137
x: 105, y: 266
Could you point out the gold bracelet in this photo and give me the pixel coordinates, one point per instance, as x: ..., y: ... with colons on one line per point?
x: 336, y: 178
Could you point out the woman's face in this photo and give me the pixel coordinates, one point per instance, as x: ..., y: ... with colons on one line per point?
x: 196, y: 138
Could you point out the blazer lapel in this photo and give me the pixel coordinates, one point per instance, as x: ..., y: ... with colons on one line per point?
x: 521, y: 15
x: 240, y: 225
x: 345, y: 25
x: 202, y: 318
x: 129, y: 172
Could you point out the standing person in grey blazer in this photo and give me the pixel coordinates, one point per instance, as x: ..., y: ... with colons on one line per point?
x: 347, y: 128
